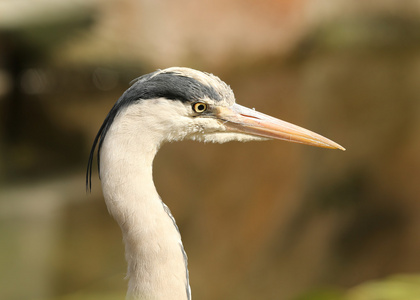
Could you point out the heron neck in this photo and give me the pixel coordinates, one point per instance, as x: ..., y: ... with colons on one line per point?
x: 153, y: 247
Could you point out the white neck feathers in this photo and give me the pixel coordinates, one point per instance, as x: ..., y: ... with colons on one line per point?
x: 154, y: 251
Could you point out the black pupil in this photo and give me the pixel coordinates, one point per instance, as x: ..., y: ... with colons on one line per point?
x: 200, y: 107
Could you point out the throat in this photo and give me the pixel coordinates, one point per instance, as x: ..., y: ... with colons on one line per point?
x: 157, y: 263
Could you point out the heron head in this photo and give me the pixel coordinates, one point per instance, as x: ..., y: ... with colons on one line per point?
x: 182, y: 103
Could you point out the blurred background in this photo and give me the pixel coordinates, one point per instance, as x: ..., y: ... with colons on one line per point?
x: 267, y: 220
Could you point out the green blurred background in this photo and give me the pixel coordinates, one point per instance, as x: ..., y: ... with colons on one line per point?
x: 265, y: 220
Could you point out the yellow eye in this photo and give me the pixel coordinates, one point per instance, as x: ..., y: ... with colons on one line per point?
x: 199, y: 107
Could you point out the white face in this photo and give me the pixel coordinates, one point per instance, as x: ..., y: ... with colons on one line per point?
x: 175, y: 121
x: 210, y: 127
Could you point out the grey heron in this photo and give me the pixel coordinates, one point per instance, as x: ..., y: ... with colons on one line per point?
x: 168, y: 105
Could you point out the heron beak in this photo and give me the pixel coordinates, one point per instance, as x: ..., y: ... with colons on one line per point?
x: 241, y: 119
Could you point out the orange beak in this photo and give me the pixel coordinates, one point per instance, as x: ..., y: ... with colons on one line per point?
x: 241, y: 119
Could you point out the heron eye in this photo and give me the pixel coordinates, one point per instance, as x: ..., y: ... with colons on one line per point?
x: 199, y: 107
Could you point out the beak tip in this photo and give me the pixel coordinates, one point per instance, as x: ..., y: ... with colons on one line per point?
x: 339, y: 147
x: 327, y: 143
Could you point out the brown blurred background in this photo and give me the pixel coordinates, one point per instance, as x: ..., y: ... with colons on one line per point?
x: 265, y: 220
